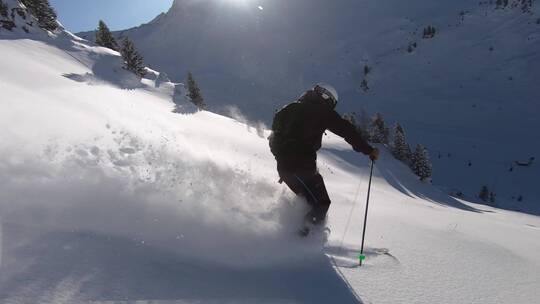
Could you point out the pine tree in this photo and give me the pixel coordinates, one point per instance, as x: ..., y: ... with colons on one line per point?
x: 492, y: 197
x: 194, y: 92
x: 420, y: 163
x: 44, y: 13
x: 411, y: 47
x: 412, y: 157
x: 104, y: 37
x: 400, y: 149
x: 526, y: 5
x: 133, y: 61
x: 484, y: 194
x: 3, y: 9
x: 378, y: 132
x: 429, y: 32
x: 364, y: 85
x: 367, y: 70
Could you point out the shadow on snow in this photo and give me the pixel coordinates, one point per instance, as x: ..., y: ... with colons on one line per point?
x: 82, y: 266
x: 398, y: 175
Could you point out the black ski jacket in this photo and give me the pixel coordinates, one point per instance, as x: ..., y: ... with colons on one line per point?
x: 298, y: 128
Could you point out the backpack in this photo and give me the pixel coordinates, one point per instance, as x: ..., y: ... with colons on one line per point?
x: 283, y: 128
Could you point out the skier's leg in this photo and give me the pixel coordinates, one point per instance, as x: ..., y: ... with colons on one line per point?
x: 290, y: 180
x: 311, y: 186
x: 319, y: 199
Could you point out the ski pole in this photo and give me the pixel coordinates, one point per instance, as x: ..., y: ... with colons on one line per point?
x: 362, y: 257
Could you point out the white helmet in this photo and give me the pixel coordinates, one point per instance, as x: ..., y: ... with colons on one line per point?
x: 327, y: 92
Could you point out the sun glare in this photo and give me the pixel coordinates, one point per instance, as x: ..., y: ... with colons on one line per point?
x: 238, y: 2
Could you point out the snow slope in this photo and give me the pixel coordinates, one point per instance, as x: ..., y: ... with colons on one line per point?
x: 107, y: 196
x: 469, y: 94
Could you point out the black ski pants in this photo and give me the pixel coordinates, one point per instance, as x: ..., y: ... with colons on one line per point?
x: 310, y: 185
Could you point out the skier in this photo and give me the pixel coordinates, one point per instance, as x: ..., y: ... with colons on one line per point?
x: 296, y: 136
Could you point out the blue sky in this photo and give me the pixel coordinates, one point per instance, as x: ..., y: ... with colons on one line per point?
x: 83, y: 15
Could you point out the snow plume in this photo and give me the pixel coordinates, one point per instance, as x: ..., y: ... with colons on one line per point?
x: 153, y: 198
x: 95, y: 158
x: 235, y: 112
x: 105, y: 194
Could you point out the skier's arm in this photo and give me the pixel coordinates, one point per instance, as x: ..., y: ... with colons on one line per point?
x: 347, y: 130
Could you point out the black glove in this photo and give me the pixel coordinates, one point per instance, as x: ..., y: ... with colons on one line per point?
x: 374, y: 155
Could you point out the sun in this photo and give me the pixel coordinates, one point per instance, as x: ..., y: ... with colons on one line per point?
x: 238, y: 2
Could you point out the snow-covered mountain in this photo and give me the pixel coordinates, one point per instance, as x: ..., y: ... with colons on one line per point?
x: 469, y: 93
x: 106, y: 195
